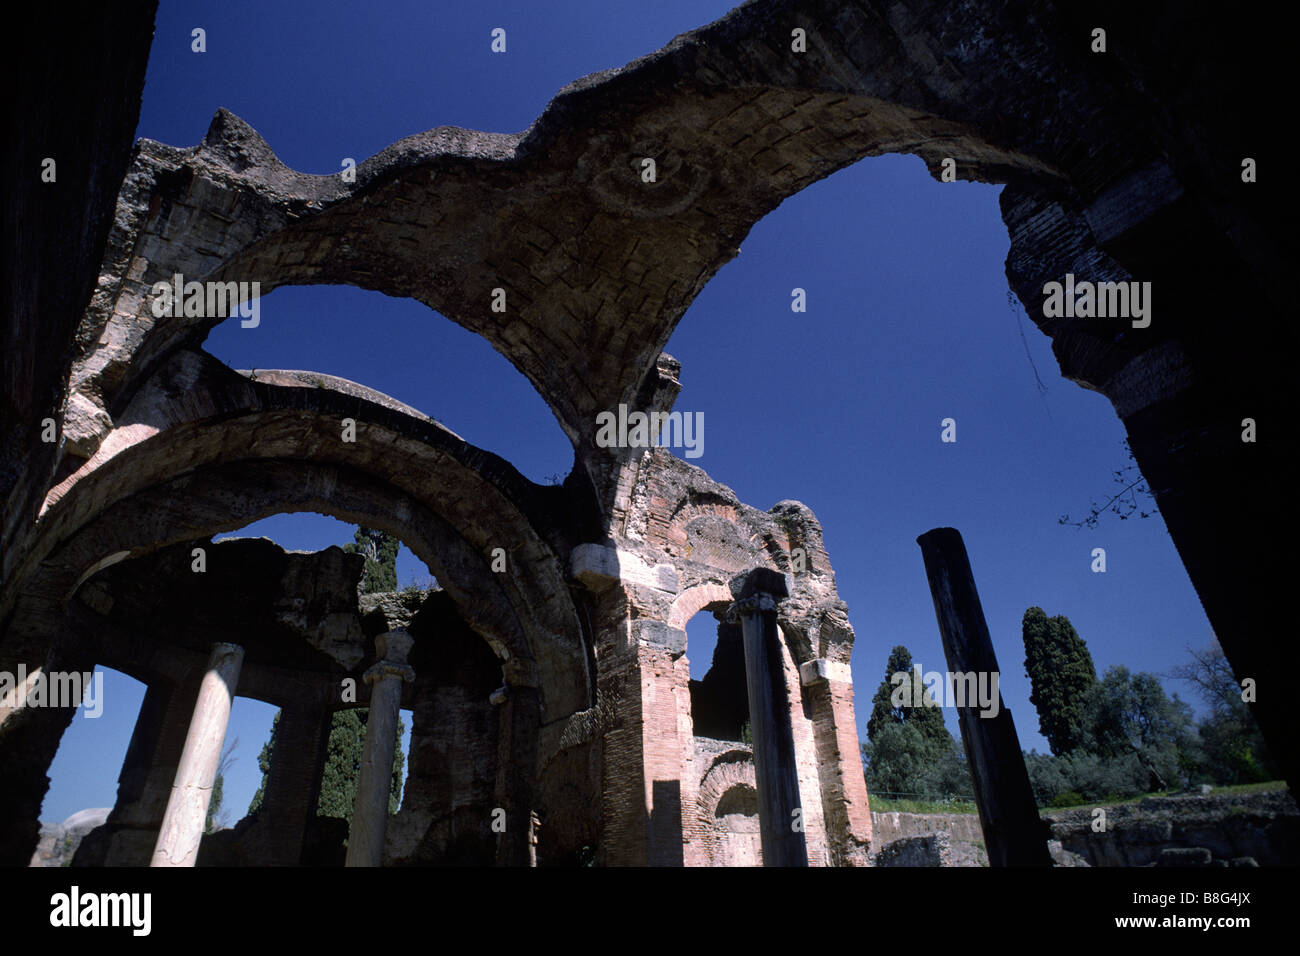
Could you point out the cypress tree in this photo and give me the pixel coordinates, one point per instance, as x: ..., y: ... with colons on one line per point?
x: 380, y: 550
x: 926, y: 718
x: 1060, y: 671
x: 338, y: 788
x: 910, y: 750
x: 264, y: 765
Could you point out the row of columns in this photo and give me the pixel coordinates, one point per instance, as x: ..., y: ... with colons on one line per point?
x: 155, y: 745
x: 191, y: 792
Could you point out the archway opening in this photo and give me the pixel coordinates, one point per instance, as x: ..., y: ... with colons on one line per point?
x: 736, y: 828
x: 405, y: 350
x: 719, y: 693
x: 84, y: 772
x: 904, y: 323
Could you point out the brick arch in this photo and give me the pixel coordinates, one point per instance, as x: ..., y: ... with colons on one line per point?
x: 731, y: 772
x: 735, y: 768
x: 461, y: 200
x: 226, y: 451
x: 225, y: 497
x: 695, y: 599
x: 449, y: 215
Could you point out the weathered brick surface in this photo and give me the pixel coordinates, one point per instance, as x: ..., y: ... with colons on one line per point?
x: 1124, y: 166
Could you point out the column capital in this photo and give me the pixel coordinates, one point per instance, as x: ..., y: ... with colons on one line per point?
x: 756, y: 590
x: 750, y: 605
x: 392, y: 647
x: 384, y: 669
x: 760, y: 581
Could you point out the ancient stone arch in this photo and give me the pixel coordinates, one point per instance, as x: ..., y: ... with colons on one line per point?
x: 1112, y: 171
x: 729, y: 779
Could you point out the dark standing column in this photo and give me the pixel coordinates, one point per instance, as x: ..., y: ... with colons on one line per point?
x: 769, y: 719
x: 519, y: 717
x: 293, y: 784
x: 1013, y: 833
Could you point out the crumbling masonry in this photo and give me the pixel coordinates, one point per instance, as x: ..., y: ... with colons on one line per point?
x: 558, y: 689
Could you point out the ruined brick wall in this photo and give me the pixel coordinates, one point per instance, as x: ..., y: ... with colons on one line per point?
x: 1122, y: 167
x: 683, y: 540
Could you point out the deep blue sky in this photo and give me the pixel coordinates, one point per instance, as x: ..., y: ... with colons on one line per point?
x: 907, y: 323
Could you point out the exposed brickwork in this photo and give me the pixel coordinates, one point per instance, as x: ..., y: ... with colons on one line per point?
x: 574, y: 701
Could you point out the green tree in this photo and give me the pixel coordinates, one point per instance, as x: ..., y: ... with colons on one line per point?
x: 264, y: 765
x: 214, y: 805
x: 1128, y: 715
x: 898, y: 757
x: 890, y: 703
x: 1081, y: 776
x: 910, y: 750
x: 342, y: 771
x: 342, y: 765
x: 1061, y: 672
x: 1232, y: 746
x: 1046, y: 777
x: 380, y: 550
x: 902, y: 759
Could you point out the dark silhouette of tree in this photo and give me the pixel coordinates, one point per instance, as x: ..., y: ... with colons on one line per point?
x: 1233, y: 748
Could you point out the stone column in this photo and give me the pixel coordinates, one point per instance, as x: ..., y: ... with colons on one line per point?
x: 1013, y: 833
x: 187, y: 808
x: 769, y: 719
x: 370, y: 812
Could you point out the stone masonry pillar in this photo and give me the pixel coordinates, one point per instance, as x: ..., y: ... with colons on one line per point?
x: 187, y: 808
x: 519, y: 715
x: 144, y: 785
x: 828, y: 688
x: 29, y: 739
x: 370, y: 812
x: 769, y: 719
x: 293, y: 784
